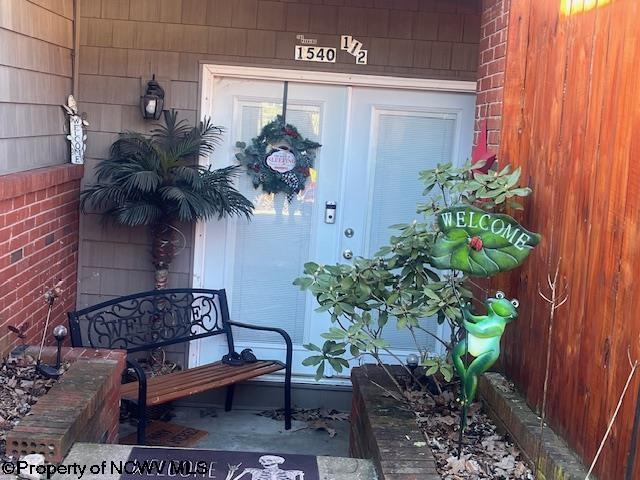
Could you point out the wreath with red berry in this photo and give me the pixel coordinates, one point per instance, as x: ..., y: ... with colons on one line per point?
x: 279, y: 159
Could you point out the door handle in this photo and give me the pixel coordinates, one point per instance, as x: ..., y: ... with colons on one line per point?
x: 348, y: 254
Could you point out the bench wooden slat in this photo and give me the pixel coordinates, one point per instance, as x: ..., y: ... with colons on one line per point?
x: 177, y: 385
x: 207, y: 371
x: 180, y: 390
x: 206, y: 375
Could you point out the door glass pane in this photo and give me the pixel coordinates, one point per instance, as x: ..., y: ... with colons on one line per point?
x: 404, y: 145
x: 270, y: 249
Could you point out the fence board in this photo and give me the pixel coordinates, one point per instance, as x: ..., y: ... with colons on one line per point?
x: 570, y: 113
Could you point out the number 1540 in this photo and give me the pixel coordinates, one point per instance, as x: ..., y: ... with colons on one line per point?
x: 315, y: 54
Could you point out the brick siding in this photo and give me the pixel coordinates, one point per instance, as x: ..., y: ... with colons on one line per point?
x: 492, y: 54
x: 83, y: 407
x: 38, y: 246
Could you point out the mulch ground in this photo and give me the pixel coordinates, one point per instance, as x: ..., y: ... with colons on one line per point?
x: 20, y: 388
x: 486, y: 453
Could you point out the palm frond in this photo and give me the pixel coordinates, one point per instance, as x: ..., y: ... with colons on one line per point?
x: 101, y: 197
x: 169, y: 134
x: 130, y: 144
x: 178, y: 203
x: 143, y: 181
x: 210, y: 136
x: 221, y: 192
x: 136, y: 214
x: 190, y: 175
x: 147, y: 178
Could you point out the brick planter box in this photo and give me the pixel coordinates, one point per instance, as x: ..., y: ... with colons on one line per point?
x: 385, y: 431
x: 509, y: 410
x: 83, y: 406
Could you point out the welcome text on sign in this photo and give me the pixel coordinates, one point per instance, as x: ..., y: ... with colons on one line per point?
x: 484, y: 222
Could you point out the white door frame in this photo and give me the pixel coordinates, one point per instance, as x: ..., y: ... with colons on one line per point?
x: 206, y: 94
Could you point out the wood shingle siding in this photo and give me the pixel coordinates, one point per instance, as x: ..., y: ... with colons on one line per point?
x: 124, y: 42
x: 36, y: 42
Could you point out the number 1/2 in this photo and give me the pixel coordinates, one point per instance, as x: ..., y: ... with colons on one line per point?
x: 361, y: 57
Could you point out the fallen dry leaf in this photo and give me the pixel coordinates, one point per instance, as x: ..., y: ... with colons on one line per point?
x: 322, y: 425
x: 486, y: 453
x: 15, y: 402
x: 316, y: 418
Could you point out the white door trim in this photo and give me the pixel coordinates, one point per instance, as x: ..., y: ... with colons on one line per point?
x: 334, y: 78
x: 206, y: 95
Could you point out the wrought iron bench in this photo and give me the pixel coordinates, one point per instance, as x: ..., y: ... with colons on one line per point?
x: 148, y: 320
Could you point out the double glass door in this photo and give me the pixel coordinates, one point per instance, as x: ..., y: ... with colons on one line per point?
x: 374, y: 143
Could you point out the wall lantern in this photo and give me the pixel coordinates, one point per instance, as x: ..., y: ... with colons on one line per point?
x: 152, y: 102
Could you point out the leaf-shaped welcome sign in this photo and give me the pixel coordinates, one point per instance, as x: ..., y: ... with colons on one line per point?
x: 480, y: 243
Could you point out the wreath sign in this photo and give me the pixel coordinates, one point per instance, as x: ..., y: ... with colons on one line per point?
x: 279, y: 159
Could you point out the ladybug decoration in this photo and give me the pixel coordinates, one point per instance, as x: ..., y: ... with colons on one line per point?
x: 475, y: 243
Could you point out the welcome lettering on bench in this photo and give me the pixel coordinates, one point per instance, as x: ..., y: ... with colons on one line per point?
x: 155, y: 318
x: 480, y: 243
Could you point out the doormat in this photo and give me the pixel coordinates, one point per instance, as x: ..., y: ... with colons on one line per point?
x: 165, y: 434
x: 219, y: 465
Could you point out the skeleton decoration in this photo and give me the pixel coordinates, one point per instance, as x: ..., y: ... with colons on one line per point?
x: 270, y: 471
x: 76, y: 136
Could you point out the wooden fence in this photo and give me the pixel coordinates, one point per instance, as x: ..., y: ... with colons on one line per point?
x: 572, y: 121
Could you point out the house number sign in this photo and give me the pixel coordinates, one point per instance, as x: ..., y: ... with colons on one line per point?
x: 310, y: 52
x: 354, y: 47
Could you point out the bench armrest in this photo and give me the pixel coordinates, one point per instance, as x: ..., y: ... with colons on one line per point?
x: 285, y: 335
x: 287, y: 341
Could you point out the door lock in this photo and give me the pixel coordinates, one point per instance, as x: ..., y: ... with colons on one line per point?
x: 348, y: 254
x: 330, y: 212
x: 349, y: 232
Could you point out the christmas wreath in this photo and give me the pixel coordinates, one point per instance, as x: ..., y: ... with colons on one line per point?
x: 279, y: 159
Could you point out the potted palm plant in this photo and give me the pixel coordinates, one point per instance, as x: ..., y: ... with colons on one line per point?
x: 156, y: 181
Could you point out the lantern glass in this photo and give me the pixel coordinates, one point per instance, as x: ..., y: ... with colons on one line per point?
x: 152, y: 103
x: 150, y: 107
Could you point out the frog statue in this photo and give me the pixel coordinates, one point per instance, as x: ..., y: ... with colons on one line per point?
x: 482, y: 341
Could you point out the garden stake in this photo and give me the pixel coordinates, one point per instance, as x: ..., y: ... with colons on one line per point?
x: 50, y: 297
x: 462, y: 421
x: 463, y: 413
x: 46, y: 326
x: 463, y: 394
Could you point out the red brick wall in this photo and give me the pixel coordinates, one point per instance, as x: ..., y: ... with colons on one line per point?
x: 492, y: 51
x: 38, y: 247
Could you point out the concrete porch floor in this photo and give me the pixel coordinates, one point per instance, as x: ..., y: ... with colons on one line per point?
x: 243, y: 430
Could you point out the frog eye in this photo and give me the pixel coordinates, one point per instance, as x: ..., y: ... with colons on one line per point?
x: 499, y: 295
x: 515, y: 302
